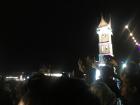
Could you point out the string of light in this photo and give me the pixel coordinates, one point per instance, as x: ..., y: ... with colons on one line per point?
x: 132, y: 36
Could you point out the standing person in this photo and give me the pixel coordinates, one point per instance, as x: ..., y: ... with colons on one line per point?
x: 107, y: 74
x: 62, y: 91
x: 130, y: 88
x: 104, y: 93
x: 87, y: 67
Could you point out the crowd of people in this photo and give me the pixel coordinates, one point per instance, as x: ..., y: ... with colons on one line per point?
x: 44, y: 90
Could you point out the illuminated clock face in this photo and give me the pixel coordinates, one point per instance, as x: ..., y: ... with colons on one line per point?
x: 104, y: 49
x: 104, y: 38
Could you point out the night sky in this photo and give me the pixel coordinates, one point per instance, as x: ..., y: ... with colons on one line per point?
x: 58, y: 32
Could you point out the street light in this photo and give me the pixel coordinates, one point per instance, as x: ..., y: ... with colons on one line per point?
x: 124, y: 65
x: 126, y: 26
x: 98, y: 74
x: 133, y: 38
x: 102, y: 64
x: 131, y: 34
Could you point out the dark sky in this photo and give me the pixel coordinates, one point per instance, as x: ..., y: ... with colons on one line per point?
x: 58, y: 32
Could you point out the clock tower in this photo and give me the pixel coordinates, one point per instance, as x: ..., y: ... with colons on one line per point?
x: 104, y: 32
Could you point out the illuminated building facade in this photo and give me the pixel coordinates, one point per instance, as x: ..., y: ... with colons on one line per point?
x: 104, y: 32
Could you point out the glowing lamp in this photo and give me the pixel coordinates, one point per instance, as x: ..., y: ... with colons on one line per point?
x: 124, y: 65
x: 131, y: 34
x: 126, y: 27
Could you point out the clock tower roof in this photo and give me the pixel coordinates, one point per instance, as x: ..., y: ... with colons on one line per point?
x: 102, y: 23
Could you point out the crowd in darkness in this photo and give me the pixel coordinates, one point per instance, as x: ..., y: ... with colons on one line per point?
x: 45, y: 90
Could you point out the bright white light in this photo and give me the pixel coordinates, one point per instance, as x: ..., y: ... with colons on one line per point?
x: 20, y: 77
x: 131, y: 34
x: 104, y: 30
x: 135, y: 41
x: 124, y: 65
x: 27, y: 77
x: 113, y: 78
x: 133, y: 38
x: 11, y: 77
x: 84, y: 74
x: 126, y: 27
x: 102, y: 64
x: 54, y: 75
x: 15, y: 78
x: 47, y: 74
x: 97, y: 74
